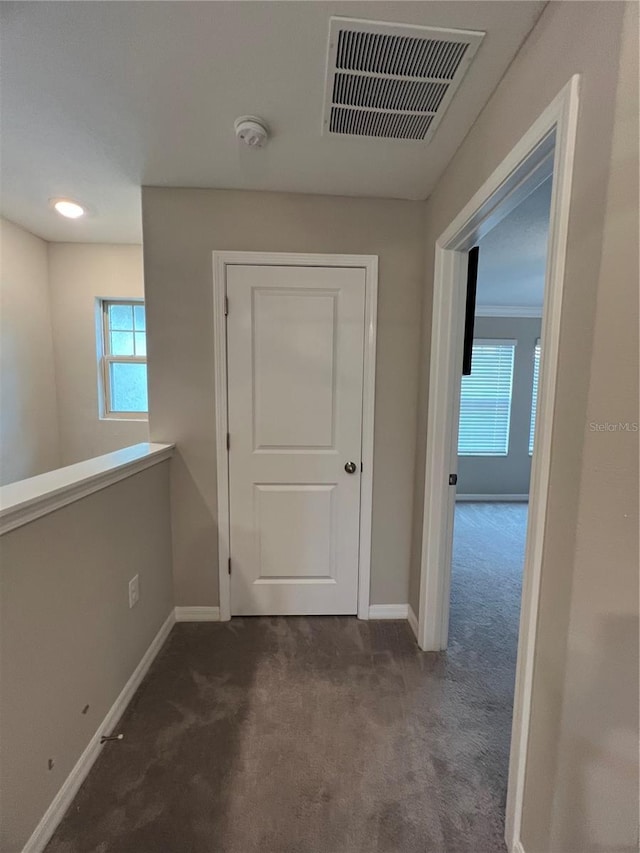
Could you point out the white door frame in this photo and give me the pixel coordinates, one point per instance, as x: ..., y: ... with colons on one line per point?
x: 369, y: 263
x: 547, y: 148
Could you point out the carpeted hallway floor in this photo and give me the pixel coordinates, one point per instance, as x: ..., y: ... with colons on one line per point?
x: 321, y: 735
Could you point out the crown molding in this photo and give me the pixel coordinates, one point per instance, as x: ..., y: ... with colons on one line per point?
x: 508, y: 311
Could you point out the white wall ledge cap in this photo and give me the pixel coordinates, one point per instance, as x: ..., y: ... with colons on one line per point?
x: 29, y: 499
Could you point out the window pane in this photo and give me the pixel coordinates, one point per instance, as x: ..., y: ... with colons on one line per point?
x: 534, y: 396
x: 121, y: 317
x: 485, y: 401
x: 128, y: 381
x: 121, y: 343
x: 139, y: 317
x: 141, y: 343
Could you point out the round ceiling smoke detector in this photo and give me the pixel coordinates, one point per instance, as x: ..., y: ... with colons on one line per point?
x: 252, y: 131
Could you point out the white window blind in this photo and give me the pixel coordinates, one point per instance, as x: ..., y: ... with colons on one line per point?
x: 485, y: 400
x: 534, y: 396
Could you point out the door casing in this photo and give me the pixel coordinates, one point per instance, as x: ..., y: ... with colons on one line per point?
x: 546, y: 148
x: 369, y: 263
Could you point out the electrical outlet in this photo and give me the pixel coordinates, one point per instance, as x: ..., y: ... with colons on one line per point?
x: 134, y: 591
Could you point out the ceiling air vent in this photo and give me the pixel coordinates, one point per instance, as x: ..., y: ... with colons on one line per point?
x: 393, y: 81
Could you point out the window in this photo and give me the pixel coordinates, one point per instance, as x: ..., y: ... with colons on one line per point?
x: 485, y: 400
x: 534, y: 396
x: 124, y: 359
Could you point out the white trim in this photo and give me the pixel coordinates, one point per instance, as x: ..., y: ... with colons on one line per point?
x: 566, y: 111
x: 370, y: 264
x: 388, y: 611
x: 413, y: 621
x: 27, y: 500
x: 197, y: 614
x: 492, y: 498
x: 511, y: 183
x: 508, y: 310
x: 69, y: 788
x: 222, y: 428
x: 441, y: 448
x: 517, y: 847
x: 107, y: 358
x: 551, y: 136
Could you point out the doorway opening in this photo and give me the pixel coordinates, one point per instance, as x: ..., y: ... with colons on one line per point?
x: 495, y: 443
x: 545, y: 153
x: 496, y: 436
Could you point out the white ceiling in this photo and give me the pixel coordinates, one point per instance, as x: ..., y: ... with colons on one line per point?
x: 513, y: 256
x: 99, y: 98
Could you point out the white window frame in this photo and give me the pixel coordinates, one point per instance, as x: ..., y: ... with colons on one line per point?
x: 106, y: 359
x: 534, y: 394
x: 495, y: 342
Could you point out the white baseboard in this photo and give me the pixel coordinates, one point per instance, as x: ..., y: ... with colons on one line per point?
x: 517, y: 847
x: 413, y: 621
x: 197, y: 614
x: 62, y: 800
x: 492, y: 498
x: 388, y: 611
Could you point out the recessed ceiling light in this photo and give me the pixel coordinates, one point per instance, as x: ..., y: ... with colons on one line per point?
x: 68, y: 208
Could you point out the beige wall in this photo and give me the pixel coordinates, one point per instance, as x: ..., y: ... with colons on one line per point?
x: 28, y: 407
x: 596, y: 807
x: 580, y: 793
x: 181, y: 229
x: 49, y: 412
x: 65, y: 620
x: 79, y: 274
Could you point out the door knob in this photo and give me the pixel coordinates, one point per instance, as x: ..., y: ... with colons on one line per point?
x: 350, y: 467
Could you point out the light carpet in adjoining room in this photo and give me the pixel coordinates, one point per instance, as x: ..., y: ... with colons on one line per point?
x: 323, y: 734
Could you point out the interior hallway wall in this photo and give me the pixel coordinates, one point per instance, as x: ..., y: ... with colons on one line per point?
x: 68, y: 638
x: 596, y: 807
x: 29, y: 440
x: 580, y: 793
x: 181, y: 229
x: 79, y: 275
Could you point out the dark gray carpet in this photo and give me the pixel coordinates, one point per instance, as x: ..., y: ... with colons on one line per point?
x: 321, y: 735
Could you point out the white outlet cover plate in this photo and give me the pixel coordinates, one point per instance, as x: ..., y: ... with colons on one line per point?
x: 134, y: 591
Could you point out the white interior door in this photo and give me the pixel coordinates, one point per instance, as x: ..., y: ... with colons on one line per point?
x: 295, y: 338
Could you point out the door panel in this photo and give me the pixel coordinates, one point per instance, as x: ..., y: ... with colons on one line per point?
x: 295, y: 338
x: 305, y: 550
x: 294, y: 369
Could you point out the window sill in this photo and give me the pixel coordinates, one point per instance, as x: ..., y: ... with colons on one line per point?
x: 123, y: 419
x: 29, y: 499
